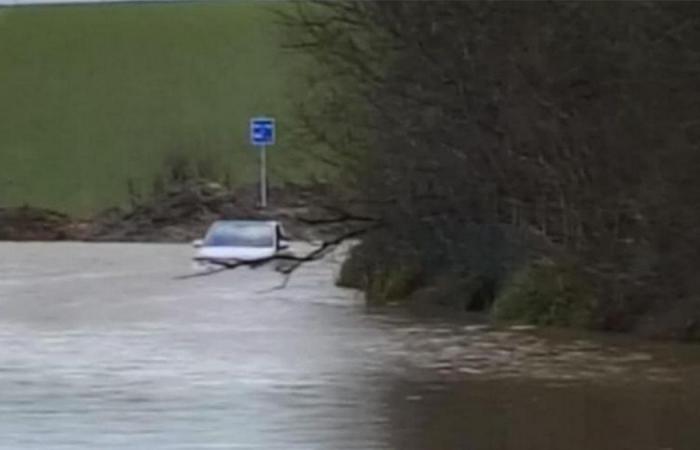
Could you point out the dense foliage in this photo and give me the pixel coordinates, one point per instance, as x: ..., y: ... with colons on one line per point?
x: 485, y: 133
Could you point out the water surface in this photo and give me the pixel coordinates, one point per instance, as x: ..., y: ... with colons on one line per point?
x: 101, y: 347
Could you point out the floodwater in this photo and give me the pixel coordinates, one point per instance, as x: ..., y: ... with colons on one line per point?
x: 103, y: 347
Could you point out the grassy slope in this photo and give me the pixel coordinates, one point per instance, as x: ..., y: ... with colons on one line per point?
x: 91, y: 96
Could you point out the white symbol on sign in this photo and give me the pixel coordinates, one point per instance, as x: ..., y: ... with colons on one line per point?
x: 262, y: 131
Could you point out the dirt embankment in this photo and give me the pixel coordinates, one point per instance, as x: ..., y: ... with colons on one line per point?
x: 30, y: 224
x: 180, y: 214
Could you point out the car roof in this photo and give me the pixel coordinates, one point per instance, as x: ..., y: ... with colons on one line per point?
x: 248, y: 221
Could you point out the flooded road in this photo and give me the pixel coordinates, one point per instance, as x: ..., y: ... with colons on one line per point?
x: 101, y: 347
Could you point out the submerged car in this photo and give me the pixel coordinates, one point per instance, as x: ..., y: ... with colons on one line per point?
x: 234, y: 241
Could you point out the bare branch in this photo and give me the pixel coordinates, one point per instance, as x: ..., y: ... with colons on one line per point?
x: 297, y: 261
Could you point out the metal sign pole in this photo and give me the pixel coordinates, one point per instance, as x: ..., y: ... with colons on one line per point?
x: 262, y: 134
x: 263, y: 176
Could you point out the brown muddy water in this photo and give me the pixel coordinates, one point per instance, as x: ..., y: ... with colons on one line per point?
x: 102, y: 348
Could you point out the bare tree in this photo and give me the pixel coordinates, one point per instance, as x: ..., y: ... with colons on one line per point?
x: 548, y: 117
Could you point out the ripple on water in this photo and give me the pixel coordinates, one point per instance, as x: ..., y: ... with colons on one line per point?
x: 217, y: 364
x: 521, y: 353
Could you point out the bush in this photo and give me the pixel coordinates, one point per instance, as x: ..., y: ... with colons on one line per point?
x: 354, y: 271
x: 383, y: 276
x: 456, y: 291
x: 679, y: 320
x: 545, y: 293
x: 393, y: 284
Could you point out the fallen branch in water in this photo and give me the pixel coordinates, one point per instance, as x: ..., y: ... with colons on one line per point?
x: 296, y: 261
x: 319, y: 253
x: 202, y: 274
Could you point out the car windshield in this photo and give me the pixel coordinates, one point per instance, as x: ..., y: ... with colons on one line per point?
x: 241, y: 234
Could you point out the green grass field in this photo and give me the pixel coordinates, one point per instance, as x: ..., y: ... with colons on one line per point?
x: 92, y: 96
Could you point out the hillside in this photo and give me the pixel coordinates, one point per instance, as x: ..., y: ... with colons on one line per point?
x: 94, y: 96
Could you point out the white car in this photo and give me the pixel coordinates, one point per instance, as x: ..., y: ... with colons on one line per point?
x: 233, y: 241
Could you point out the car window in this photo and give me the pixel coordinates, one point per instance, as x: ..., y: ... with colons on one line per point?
x: 241, y: 234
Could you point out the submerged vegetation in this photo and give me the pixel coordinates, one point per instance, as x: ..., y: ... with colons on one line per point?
x: 545, y: 293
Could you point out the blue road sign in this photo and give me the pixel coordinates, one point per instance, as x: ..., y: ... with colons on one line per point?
x: 262, y: 131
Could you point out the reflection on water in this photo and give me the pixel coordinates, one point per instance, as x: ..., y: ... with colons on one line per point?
x: 100, y: 347
x: 525, y: 415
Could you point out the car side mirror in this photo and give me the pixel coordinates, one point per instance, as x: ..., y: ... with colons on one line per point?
x: 282, y: 244
x: 197, y: 243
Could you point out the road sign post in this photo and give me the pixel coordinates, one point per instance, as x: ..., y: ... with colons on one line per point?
x: 262, y: 135
x: 263, y: 176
